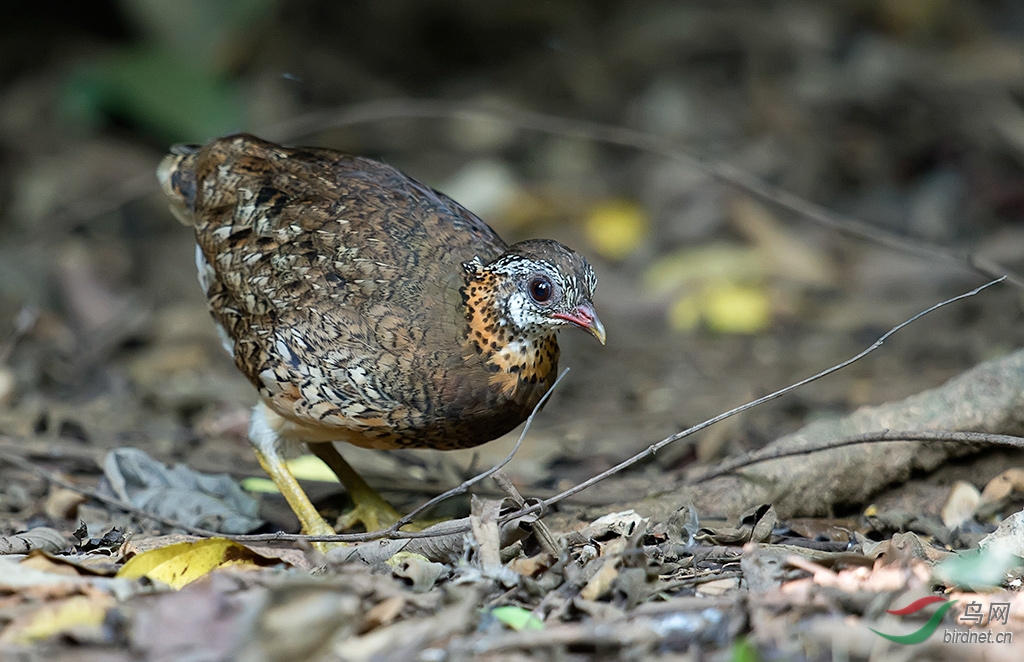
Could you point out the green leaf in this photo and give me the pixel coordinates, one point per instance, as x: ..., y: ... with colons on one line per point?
x: 517, y: 618
x: 976, y: 569
x: 743, y: 651
x: 167, y: 95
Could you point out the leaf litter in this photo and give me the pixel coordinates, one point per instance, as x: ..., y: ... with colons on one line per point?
x: 645, y: 566
x: 682, y: 570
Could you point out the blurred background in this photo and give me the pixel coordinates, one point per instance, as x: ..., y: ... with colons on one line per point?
x: 904, y: 114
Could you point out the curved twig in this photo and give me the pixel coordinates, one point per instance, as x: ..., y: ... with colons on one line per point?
x: 378, y: 111
x: 55, y: 479
x: 651, y: 450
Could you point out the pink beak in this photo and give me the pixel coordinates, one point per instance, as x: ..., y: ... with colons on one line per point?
x: 585, y: 318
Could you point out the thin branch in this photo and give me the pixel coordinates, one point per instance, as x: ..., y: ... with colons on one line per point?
x: 55, y: 479
x: 763, y: 455
x: 732, y: 412
x: 464, y: 487
x: 651, y: 450
x: 378, y: 111
x: 393, y: 531
x: 541, y: 531
x: 697, y: 580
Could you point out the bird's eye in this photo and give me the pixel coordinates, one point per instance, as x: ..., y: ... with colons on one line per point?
x: 540, y: 289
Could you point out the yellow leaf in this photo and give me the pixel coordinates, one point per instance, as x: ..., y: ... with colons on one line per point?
x: 182, y: 563
x: 306, y: 467
x: 615, y: 228
x: 259, y: 485
x: 310, y: 467
x: 601, y: 582
x: 724, y: 307
x: 692, y: 267
x: 731, y: 308
x: 75, y: 613
x: 684, y: 314
x: 402, y: 557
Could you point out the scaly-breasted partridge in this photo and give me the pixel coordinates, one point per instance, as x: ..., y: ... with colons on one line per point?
x: 366, y: 307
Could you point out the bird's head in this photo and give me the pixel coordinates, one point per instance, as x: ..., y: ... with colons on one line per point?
x: 541, y: 285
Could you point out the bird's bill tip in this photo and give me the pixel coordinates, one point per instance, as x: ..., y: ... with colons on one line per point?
x: 585, y: 318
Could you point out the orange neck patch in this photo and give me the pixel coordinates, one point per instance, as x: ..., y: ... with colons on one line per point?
x: 512, y: 361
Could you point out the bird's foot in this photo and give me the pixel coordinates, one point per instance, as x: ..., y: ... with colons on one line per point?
x: 371, y: 511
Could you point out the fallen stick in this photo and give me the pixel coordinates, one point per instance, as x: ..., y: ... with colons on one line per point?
x: 988, y: 398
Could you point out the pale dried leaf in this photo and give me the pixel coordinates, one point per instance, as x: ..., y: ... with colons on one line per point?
x: 1009, y: 536
x: 532, y: 565
x: 961, y: 504
x: 371, y: 553
x: 41, y: 537
x: 213, y: 502
x: 719, y: 586
x: 421, y: 573
x: 621, y: 524
x: 484, y: 520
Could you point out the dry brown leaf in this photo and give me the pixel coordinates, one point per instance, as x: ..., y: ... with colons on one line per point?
x: 613, y: 548
x: 1006, y: 483
x: 533, y: 565
x: 764, y: 566
x: 719, y: 586
x: 756, y: 525
x: 877, y: 579
x: 62, y: 503
x: 58, y: 565
x: 72, y: 614
x: 601, y: 583
x: 383, y: 613
x: 599, y: 611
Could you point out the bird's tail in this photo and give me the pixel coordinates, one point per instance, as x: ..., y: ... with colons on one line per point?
x: 177, y: 177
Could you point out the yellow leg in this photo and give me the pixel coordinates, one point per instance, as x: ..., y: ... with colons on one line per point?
x: 266, y: 442
x: 371, y: 510
x: 312, y: 523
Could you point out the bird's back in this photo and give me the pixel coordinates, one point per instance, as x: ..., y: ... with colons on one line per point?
x: 337, y: 283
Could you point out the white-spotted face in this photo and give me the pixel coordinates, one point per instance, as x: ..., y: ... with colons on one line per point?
x: 547, y: 286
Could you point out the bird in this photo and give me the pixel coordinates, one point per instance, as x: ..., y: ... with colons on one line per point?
x: 368, y: 308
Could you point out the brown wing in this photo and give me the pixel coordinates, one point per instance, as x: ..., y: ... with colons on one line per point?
x: 336, y: 280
